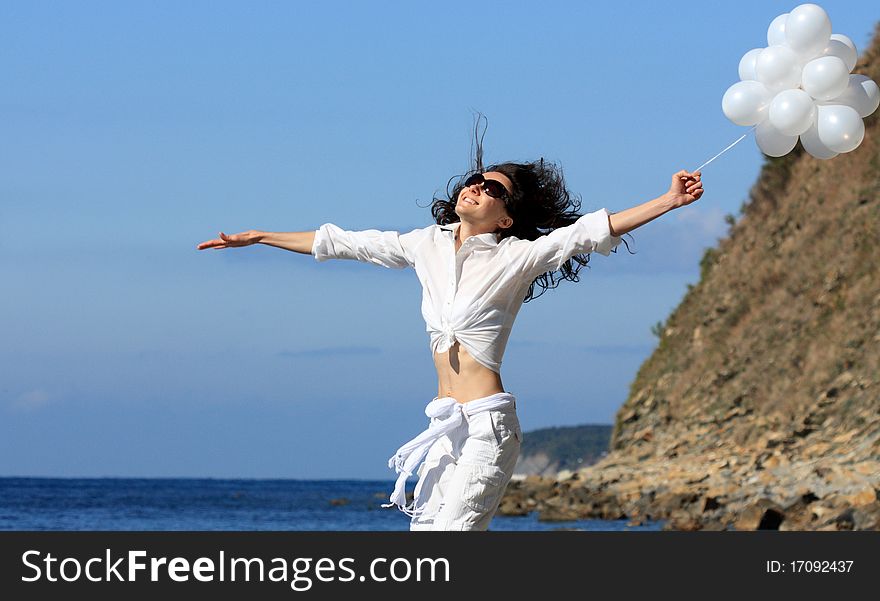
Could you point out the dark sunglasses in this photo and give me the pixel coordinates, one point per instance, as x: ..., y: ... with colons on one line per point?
x: 493, y: 187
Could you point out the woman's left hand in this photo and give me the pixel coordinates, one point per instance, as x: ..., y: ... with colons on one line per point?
x: 686, y: 188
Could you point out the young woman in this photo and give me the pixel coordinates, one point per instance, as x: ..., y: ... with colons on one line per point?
x: 499, y: 232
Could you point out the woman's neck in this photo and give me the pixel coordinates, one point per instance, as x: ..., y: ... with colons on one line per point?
x: 466, y: 230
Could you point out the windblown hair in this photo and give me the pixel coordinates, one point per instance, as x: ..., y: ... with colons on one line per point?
x: 540, y: 204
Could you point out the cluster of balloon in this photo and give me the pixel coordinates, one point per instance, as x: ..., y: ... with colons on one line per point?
x: 801, y: 85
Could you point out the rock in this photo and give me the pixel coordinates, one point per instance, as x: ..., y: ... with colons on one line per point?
x: 724, y: 477
x: 533, y: 481
x: 714, y: 526
x: 867, y: 517
x: 864, y: 496
x: 722, y: 490
x: 669, y: 502
x: 645, y: 434
x: 630, y: 416
x: 682, y: 520
x: 629, y: 491
x: 513, y: 507
x: 771, y: 462
x: 867, y: 468
x: 710, y: 503
x: 799, y: 514
x: 820, y: 512
x: 559, y: 514
x: 845, y: 520
x: 763, y: 514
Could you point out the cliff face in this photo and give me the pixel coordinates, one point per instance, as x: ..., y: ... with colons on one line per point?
x: 761, y: 405
x: 780, y: 338
x: 781, y: 335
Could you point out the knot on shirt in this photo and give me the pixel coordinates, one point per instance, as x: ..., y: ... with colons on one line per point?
x: 449, y: 336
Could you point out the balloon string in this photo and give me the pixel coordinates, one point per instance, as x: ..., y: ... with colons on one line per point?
x: 726, y: 149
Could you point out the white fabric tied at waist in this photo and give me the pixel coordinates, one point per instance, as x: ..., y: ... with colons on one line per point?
x: 448, y: 341
x: 446, y: 415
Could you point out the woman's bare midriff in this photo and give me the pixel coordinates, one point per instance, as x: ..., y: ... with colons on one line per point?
x: 461, y: 377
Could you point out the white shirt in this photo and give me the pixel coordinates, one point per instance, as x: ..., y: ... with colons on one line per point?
x: 447, y: 415
x: 472, y: 296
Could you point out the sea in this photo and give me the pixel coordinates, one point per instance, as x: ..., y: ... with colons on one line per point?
x: 196, y: 504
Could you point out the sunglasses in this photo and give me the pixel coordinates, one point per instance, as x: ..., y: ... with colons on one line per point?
x: 493, y: 187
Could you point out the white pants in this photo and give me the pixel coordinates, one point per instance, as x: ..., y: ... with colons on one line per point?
x: 466, y: 470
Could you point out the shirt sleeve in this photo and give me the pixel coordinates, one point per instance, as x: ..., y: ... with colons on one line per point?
x: 590, y: 233
x: 386, y: 248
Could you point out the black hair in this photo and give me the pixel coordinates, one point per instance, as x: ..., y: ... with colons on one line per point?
x: 540, y: 203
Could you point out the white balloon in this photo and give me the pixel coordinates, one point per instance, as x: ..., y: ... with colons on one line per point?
x: 746, y: 102
x: 840, y: 127
x: 861, y: 93
x: 812, y: 144
x: 776, y: 31
x: 773, y: 142
x: 807, y: 30
x: 842, y: 50
x: 776, y: 37
x: 778, y: 68
x: 747, y: 64
x: 825, y: 77
x: 792, y: 112
x: 846, y: 40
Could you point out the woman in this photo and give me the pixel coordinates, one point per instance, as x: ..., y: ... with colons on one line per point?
x: 500, y: 231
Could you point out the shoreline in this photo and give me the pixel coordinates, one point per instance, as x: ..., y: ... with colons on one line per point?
x: 753, y: 491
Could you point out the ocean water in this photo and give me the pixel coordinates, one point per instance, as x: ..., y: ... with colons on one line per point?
x: 216, y: 504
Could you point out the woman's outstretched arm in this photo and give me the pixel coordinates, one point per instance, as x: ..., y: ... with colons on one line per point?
x: 686, y: 188
x: 386, y: 248
x: 601, y: 231
x: 301, y: 242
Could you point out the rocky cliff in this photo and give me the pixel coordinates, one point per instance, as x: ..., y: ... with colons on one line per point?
x: 760, y: 407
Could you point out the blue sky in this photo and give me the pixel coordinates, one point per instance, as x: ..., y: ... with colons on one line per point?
x: 131, y: 132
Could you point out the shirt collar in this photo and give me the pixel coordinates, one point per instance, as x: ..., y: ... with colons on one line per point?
x: 488, y: 239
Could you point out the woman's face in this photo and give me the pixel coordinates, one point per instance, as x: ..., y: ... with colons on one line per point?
x: 480, y: 208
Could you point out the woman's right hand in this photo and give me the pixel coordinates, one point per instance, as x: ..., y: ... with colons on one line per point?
x: 243, y: 239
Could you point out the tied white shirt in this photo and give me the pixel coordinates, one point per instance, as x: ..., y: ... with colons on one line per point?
x: 446, y: 415
x: 473, y: 295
